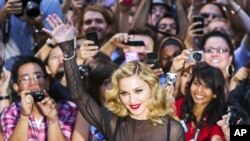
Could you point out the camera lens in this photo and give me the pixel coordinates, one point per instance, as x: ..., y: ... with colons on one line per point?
x: 32, y: 9
x: 197, y: 56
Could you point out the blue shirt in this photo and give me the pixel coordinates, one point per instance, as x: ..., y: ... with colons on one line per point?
x: 241, y: 56
x: 22, y: 33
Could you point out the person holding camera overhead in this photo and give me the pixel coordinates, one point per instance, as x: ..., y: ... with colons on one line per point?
x: 198, y: 110
x: 36, y: 116
x: 138, y: 111
x: 24, y: 19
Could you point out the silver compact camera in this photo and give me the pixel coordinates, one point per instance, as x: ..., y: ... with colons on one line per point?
x: 196, y: 56
x: 171, y: 78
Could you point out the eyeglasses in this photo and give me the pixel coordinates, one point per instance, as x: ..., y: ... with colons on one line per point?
x: 207, y: 15
x: 37, y: 77
x: 164, y: 26
x: 218, y: 50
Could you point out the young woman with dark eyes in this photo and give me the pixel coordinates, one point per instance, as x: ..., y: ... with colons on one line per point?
x: 203, y: 105
x: 137, y: 108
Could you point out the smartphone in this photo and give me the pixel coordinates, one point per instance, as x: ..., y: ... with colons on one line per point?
x: 152, y: 58
x: 198, y: 18
x: 135, y: 43
x: 93, y: 37
x: 127, y: 2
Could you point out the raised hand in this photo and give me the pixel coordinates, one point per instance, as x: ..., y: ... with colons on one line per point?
x: 4, y: 82
x: 13, y: 7
x: 224, y: 126
x: 86, y: 51
x: 48, y: 107
x: 27, y: 103
x: 181, y: 61
x: 60, y: 31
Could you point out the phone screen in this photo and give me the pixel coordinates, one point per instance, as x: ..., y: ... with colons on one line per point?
x: 131, y: 56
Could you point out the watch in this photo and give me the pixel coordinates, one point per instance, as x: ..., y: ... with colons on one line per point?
x: 49, y: 43
x: 4, y: 97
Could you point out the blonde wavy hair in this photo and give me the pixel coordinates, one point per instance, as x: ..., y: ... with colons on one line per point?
x: 160, y: 104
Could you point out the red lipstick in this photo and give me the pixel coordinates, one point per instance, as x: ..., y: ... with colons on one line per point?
x: 135, y: 106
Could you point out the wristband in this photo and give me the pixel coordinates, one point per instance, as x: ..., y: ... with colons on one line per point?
x: 4, y: 97
x: 69, y: 58
x: 50, y: 44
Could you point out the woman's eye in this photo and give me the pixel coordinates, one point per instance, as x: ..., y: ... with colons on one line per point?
x: 138, y: 91
x: 123, y: 93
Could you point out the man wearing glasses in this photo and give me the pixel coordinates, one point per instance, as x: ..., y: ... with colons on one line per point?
x: 36, y: 116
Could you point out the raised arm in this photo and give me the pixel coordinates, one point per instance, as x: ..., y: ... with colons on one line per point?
x: 64, y: 36
x: 141, y: 15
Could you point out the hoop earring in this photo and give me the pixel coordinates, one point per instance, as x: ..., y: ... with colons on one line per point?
x: 230, y: 70
x: 214, y: 96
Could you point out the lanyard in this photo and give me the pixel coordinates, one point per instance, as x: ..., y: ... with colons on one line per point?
x: 196, y: 135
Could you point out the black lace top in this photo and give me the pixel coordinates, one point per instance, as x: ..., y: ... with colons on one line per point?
x: 115, y: 128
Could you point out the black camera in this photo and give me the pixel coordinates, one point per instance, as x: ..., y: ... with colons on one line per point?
x: 234, y: 115
x: 196, y: 56
x: 37, y: 96
x: 84, y: 71
x: 31, y: 8
x: 171, y: 78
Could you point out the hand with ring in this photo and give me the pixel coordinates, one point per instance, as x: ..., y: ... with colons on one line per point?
x: 27, y: 103
x: 48, y: 107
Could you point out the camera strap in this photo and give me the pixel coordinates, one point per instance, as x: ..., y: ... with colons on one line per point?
x: 6, y: 30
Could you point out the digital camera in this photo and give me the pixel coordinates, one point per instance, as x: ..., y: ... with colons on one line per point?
x: 84, y: 71
x: 234, y: 115
x: 37, y: 96
x: 30, y: 8
x: 196, y: 56
x: 171, y: 78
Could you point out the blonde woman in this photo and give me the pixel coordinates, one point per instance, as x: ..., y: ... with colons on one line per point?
x: 137, y: 108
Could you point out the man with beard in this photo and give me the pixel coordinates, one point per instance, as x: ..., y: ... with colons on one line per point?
x: 97, y: 18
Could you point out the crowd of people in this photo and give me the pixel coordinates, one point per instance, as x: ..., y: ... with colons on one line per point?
x: 97, y: 70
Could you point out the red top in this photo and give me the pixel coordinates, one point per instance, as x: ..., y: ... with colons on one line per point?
x: 206, y: 132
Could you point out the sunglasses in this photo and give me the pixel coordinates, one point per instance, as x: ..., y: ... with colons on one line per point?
x: 207, y: 15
